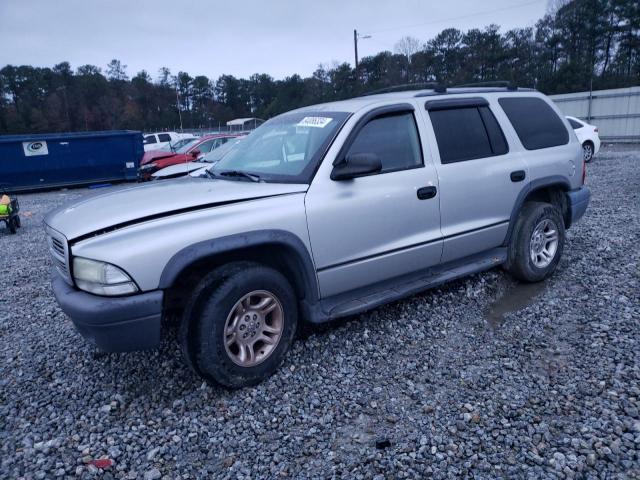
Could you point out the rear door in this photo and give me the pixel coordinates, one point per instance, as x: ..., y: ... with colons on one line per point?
x: 376, y: 227
x: 479, y: 178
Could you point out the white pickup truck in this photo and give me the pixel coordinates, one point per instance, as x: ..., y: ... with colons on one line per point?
x: 155, y: 141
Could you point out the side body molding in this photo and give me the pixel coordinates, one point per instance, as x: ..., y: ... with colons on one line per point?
x: 298, y: 256
x: 551, y: 181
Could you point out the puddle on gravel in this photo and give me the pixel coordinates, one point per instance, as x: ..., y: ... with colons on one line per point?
x: 514, y: 299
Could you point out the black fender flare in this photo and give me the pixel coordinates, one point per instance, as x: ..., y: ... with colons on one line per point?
x: 258, y: 238
x: 550, y: 181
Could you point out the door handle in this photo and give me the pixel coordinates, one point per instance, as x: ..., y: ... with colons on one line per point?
x: 518, y: 175
x: 426, y: 193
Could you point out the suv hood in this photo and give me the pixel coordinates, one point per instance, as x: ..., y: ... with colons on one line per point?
x: 125, y: 206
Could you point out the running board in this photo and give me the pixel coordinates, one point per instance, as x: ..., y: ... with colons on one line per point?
x: 366, y: 298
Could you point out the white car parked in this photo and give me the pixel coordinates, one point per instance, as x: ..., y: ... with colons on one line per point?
x: 199, y: 165
x: 155, y: 141
x: 587, y: 136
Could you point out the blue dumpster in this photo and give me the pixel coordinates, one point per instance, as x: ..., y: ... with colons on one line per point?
x: 29, y: 162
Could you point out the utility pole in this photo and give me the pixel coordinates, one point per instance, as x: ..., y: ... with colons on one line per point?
x: 357, y: 36
x: 590, y: 98
x: 178, y: 105
x: 63, y: 89
x: 355, y: 48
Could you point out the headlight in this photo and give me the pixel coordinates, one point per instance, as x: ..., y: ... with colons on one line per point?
x: 148, y: 166
x: 101, y: 278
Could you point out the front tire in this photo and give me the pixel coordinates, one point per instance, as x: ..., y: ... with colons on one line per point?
x: 537, y: 242
x: 241, y: 324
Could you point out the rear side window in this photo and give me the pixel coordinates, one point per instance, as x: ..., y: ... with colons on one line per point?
x: 149, y: 139
x: 536, y: 123
x: 467, y: 133
x: 575, y: 125
x: 164, y: 137
x: 394, y: 138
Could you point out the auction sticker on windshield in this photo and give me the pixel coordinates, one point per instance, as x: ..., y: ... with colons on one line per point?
x: 317, y: 122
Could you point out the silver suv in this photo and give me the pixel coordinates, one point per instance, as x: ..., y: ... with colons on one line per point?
x: 323, y: 212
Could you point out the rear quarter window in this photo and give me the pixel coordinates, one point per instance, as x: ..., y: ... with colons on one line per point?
x: 536, y: 123
x: 575, y: 125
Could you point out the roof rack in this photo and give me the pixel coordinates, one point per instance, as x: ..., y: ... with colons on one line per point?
x: 493, y: 83
x: 437, y: 87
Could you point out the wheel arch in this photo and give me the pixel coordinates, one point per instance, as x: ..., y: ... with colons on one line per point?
x: 593, y: 148
x: 278, y: 249
x: 548, y: 189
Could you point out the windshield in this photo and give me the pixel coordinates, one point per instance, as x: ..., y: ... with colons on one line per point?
x: 217, y: 153
x: 187, y: 146
x: 171, y: 147
x: 287, y: 148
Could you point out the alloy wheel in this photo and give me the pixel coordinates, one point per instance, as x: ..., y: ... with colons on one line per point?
x: 543, y: 244
x: 253, y: 328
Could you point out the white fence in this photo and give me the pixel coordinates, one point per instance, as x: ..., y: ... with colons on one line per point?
x: 615, y: 112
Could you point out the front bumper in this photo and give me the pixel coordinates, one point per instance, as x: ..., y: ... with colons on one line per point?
x: 577, y: 202
x: 113, y: 324
x: 146, y: 175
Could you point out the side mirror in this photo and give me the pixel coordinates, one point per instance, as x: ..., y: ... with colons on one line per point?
x: 195, y: 152
x: 356, y: 165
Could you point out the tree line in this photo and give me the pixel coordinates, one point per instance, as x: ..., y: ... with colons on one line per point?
x: 575, y: 46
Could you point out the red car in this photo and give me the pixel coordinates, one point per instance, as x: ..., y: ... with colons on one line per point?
x: 155, y: 160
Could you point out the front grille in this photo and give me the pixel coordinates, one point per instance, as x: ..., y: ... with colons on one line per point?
x: 58, y: 246
x: 59, y: 253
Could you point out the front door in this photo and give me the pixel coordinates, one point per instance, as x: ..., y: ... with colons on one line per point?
x: 375, y: 227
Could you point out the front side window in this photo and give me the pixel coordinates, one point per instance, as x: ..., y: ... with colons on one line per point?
x: 164, y: 137
x: 205, y: 147
x: 393, y: 138
x: 536, y: 123
x: 286, y: 148
x: 217, y: 153
x: 467, y: 133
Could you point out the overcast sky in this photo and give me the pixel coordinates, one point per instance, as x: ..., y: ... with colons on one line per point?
x: 238, y: 37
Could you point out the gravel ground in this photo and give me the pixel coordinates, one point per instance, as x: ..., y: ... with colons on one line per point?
x: 481, y: 378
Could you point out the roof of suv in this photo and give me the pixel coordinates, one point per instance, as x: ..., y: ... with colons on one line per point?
x: 355, y: 104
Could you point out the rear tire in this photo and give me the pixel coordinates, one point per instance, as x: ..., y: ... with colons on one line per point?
x: 240, y: 323
x: 536, y: 243
x: 11, y: 223
x: 587, y: 151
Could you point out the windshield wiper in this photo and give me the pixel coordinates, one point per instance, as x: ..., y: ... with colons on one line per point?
x: 239, y: 173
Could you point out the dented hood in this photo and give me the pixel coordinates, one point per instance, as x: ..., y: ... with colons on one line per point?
x: 125, y: 206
